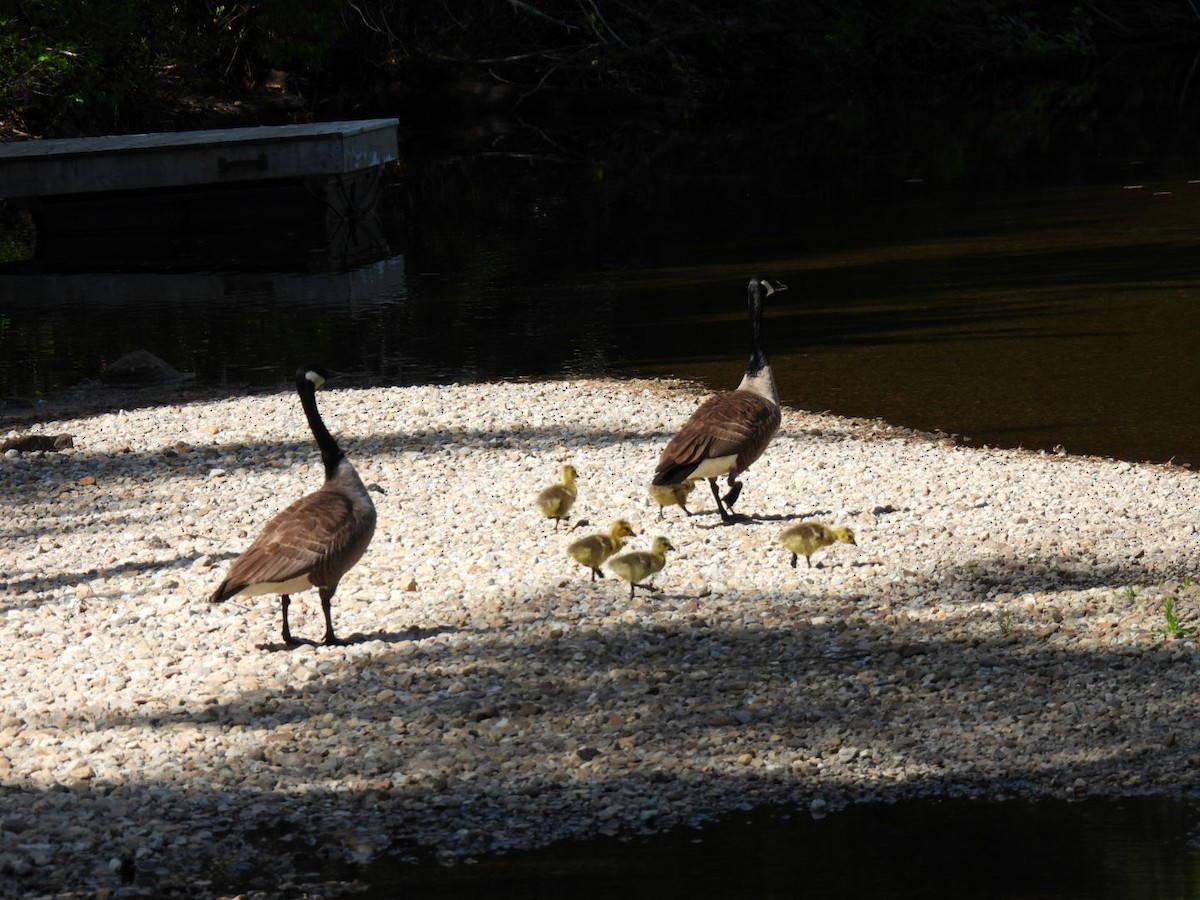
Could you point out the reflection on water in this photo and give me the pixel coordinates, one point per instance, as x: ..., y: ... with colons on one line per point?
x: 1061, y: 317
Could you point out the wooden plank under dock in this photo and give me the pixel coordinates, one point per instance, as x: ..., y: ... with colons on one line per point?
x: 45, y: 168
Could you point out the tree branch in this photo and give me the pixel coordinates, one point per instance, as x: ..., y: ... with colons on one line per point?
x: 521, y: 4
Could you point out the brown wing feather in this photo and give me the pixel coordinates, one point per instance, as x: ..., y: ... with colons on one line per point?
x: 729, y: 423
x: 304, y: 538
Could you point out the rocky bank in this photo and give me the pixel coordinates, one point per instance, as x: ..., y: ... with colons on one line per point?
x: 1000, y: 627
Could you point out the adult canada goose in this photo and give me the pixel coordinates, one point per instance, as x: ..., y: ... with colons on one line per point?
x: 640, y: 565
x: 556, y: 501
x: 672, y: 495
x: 729, y: 430
x: 807, y: 538
x: 316, y: 540
x: 593, y: 550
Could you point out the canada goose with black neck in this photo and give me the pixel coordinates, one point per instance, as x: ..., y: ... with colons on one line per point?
x: 731, y: 429
x: 316, y: 540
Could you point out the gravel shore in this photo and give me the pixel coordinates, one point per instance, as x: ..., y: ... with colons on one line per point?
x: 997, y: 629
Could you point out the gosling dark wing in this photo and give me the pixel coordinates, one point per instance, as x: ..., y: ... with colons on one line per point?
x: 307, y: 537
x: 729, y: 423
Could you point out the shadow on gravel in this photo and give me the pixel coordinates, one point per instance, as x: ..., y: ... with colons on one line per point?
x: 623, y: 730
x: 384, y: 637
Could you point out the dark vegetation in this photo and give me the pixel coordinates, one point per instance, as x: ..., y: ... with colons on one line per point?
x: 949, y: 86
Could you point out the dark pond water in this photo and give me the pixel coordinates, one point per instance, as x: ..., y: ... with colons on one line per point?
x: 1139, y: 848
x: 1037, y: 318
x: 1093, y: 850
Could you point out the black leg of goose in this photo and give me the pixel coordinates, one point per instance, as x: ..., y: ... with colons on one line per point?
x: 326, y: 604
x: 285, y: 601
x: 712, y: 483
x: 716, y: 492
x: 735, y: 490
x: 795, y: 559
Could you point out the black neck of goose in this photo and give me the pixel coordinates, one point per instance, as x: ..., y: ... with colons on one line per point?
x: 331, y: 454
x: 758, y: 353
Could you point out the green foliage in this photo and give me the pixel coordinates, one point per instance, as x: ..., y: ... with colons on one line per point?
x: 1004, y: 620
x: 1173, y: 624
x: 27, y: 68
x: 16, y: 240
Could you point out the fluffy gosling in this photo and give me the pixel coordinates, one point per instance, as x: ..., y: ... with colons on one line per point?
x: 809, y: 537
x: 671, y: 495
x: 593, y: 550
x: 556, y: 501
x: 640, y: 565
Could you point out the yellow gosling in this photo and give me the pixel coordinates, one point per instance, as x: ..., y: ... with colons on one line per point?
x: 671, y: 495
x: 640, y: 565
x: 556, y: 501
x: 807, y: 538
x: 593, y: 550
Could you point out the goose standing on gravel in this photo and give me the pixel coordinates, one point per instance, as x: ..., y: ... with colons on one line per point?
x: 556, y: 501
x: 640, y: 565
x: 316, y: 540
x: 729, y: 430
x: 807, y: 538
x: 593, y: 550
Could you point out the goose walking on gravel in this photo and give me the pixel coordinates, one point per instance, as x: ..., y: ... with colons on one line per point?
x: 729, y: 430
x: 317, y: 539
x: 641, y: 564
x: 556, y: 501
x: 807, y: 538
x: 593, y: 550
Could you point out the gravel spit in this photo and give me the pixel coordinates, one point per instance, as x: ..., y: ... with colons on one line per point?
x: 999, y: 628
